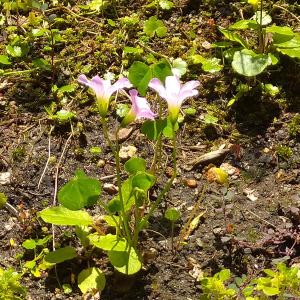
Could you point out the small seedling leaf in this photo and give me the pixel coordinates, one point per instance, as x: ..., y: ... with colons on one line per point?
x: 29, y: 244
x: 4, y: 60
x: 154, y: 26
x: 61, y: 255
x: 172, y: 214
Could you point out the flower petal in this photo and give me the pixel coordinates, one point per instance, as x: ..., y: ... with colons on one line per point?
x: 83, y: 80
x: 172, y: 85
x: 190, y: 85
x: 186, y: 94
x: 140, y: 106
x: 119, y: 84
x: 156, y: 85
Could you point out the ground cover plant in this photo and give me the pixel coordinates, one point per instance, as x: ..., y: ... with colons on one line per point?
x: 149, y: 149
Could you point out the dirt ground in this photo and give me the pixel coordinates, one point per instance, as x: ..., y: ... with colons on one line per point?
x: 244, y: 228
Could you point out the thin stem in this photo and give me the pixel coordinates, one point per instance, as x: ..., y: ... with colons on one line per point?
x: 115, y: 150
x: 261, y: 33
x: 168, y: 185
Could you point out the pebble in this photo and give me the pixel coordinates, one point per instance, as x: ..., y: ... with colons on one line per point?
x: 169, y: 172
x: 5, y: 178
x: 110, y: 188
x: 191, y: 183
x: 101, y: 163
x: 127, y: 152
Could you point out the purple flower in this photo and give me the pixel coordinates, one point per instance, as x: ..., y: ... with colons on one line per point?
x: 140, y: 109
x: 174, y: 93
x: 103, y: 90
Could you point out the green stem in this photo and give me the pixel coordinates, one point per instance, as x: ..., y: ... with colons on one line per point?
x: 168, y: 185
x: 261, y: 33
x: 115, y: 151
x: 158, y: 145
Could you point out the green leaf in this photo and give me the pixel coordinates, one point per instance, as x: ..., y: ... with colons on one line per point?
x: 143, y: 181
x: 270, y: 291
x: 248, y: 63
x: 190, y: 111
x: 172, y: 214
x: 244, y: 24
x: 291, y: 43
x: 135, y: 164
x: 294, y: 53
x: 161, y: 70
x: 4, y: 60
x: 166, y: 4
x: 43, y: 241
x: 81, y: 191
x: 67, y: 88
x: 210, y: 119
x: 211, y: 65
x: 154, y: 26
x: 234, y: 37
x: 112, y: 221
x: 122, y: 109
x: 108, y: 242
x: 60, y: 255
x: 42, y: 64
x: 168, y: 129
x: 59, y: 215
x: 153, y: 129
x: 3, y: 199
x: 133, y: 50
x: 139, y: 75
x: 179, y: 67
x: 124, y: 262
x: 29, y: 244
x: 63, y: 116
x: 115, y: 205
x: 82, y: 233
x: 224, y: 275
x: 97, y: 5
x: 91, y: 279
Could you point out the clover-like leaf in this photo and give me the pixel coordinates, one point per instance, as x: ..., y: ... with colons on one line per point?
x: 154, y: 26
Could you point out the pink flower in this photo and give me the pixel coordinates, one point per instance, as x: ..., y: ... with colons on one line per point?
x: 140, y: 109
x: 174, y: 93
x: 103, y: 90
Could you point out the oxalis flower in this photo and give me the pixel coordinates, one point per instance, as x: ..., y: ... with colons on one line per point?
x: 174, y: 93
x: 140, y: 109
x: 103, y: 90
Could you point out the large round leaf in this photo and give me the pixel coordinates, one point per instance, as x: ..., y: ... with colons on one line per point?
x: 62, y: 216
x: 81, y: 191
x: 248, y: 63
x: 125, y: 262
x: 90, y: 280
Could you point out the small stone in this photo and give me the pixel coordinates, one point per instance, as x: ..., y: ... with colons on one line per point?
x: 127, y: 152
x: 247, y: 251
x: 101, y: 163
x: 5, y: 178
x: 199, y: 243
x: 191, y: 183
x: 169, y: 172
x: 110, y: 188
x: 150, y: 254
x: 123, y: 134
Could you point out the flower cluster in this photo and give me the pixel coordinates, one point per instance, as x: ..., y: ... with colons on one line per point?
x: 173, y: 92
